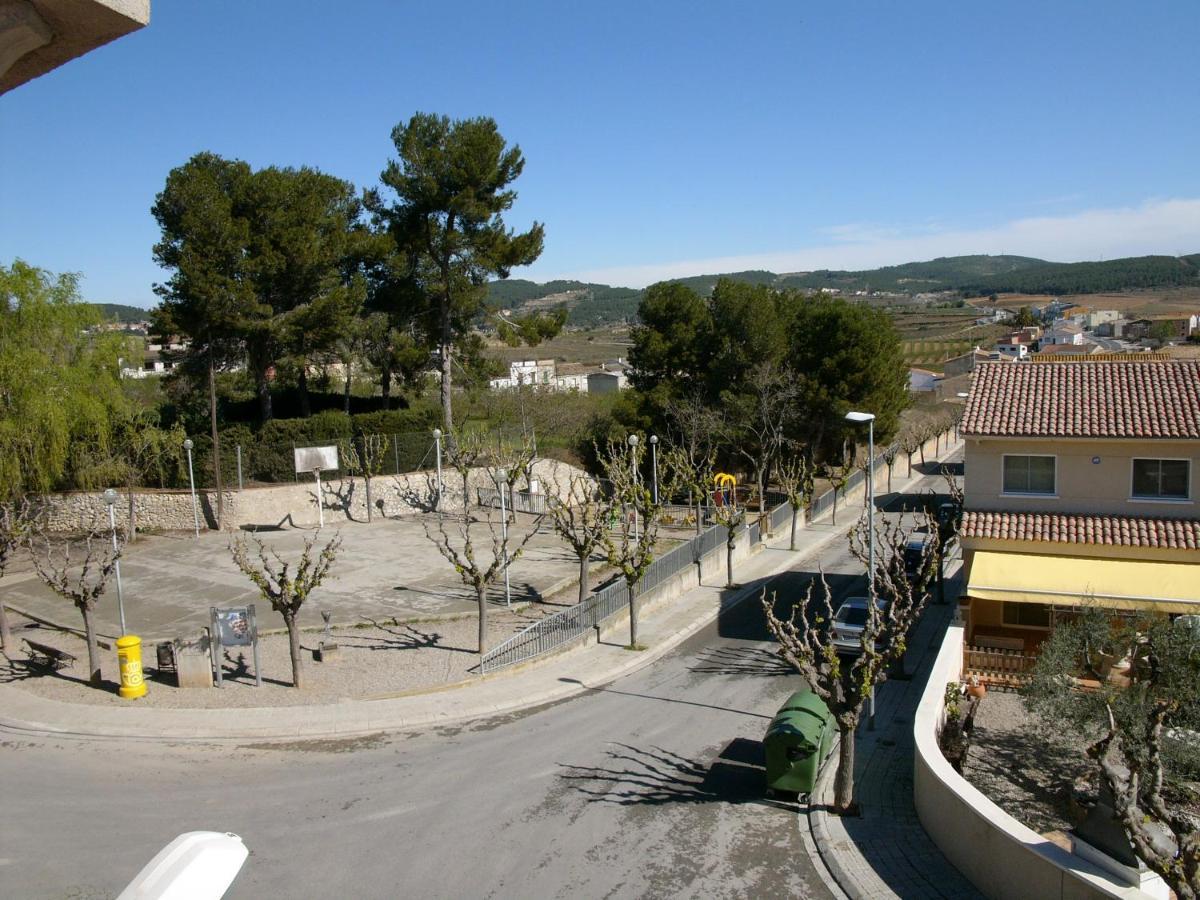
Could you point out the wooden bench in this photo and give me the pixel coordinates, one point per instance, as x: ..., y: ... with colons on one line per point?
x: 51, y: 656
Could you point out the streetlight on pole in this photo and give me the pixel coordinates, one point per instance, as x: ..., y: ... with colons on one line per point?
x: 437, y: 443
x: 858, y: 418
x: 633, y: 442
x: 654, y: 464
x: 502, y: 484
x: 110, y: 500
x: 188, y: 445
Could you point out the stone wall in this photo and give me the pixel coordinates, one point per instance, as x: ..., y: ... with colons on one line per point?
x: 289, y: 504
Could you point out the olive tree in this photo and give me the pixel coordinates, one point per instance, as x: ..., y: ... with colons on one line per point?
x: 806, y: 635
x: 1141, y: 730
x: 287, y: 586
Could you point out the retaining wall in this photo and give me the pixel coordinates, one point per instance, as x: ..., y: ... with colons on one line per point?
x: 286, y: 504
x: 1002, y: 858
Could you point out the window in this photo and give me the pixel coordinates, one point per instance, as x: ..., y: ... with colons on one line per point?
x: 1029, y: 474
x: 1027, y: 615
x: 1165, y: 479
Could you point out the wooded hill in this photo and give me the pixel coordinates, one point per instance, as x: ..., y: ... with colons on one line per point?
x: 969, y: 276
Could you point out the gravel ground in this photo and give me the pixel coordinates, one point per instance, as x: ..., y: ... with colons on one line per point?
x: 372, y: 660
x: 1024, y: 767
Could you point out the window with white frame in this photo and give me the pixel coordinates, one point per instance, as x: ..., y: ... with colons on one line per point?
x: 1028, y: 474
x: 1160, y: 479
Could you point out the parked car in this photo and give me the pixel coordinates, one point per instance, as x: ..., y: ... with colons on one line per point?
x: 914, y: 555
x: 849, y: 622
x: 949, y: 518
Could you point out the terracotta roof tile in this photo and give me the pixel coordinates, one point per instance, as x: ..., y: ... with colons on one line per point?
x: 1086, y: 400
x: 1113, y: 531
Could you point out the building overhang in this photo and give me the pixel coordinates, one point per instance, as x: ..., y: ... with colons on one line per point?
x: 1132, y: 584
x: 37, y: 36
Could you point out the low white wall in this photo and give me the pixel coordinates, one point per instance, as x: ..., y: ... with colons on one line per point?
x: 285, y: 504
x: 1000, y: 856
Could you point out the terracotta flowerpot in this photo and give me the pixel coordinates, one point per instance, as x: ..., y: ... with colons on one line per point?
x: 976, y: 690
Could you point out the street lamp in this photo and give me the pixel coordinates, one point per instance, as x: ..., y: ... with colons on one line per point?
x: 633, y: 442
x: 110, y: 500
x: 188, y: 445
x: 858, y: 418
x: 654, y: 464
x: 502, y: 483
x: 437, y: 443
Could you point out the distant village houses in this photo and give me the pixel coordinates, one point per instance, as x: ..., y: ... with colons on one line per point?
x: 547, y: 375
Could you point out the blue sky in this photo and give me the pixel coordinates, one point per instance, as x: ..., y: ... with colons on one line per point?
x: 661, y: 138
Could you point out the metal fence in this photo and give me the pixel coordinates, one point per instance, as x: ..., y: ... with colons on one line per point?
x: 518, y: 501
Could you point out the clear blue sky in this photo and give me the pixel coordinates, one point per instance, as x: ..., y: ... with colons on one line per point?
x: 661, y: 138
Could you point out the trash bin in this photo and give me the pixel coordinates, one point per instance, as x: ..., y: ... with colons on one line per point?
x: 797, y: 741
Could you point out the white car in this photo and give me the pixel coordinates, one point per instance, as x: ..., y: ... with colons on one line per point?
x: 849, y: 622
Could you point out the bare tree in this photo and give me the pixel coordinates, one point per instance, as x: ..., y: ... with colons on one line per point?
x: 889, y: 458
x: 459, y: 545
x: 630, y: 545
x: 80, y: 580
x: 580, y: 517
x: 14, y: 530
x: 762, y: 414
x: 365, y: 457
x: 838, y: 477
x: 797, y: 477
x: 806, y: 636
x: 1146, y: 750
x: 696, y: 430
x: 910, y: 443
x: 284, y: 587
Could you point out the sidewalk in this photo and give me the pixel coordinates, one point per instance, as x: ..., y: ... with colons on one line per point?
x: 555, y: 678
x: 886, y: 852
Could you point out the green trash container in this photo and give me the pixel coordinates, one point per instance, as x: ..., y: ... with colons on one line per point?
x: 797, y: 741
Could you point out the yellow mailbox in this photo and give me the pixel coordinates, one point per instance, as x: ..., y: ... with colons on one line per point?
x: 129, y: 657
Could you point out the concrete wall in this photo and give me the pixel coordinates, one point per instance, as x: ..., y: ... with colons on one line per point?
x: 287, y: 504
x: 1001, y: 857
x: 1082, y: 486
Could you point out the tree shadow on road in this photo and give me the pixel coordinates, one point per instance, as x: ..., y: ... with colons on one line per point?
x: 655, y: 777
x: 759, y: 661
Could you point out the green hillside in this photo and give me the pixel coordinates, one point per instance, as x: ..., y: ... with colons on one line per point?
x: 121, y: 313
x: 1130, y: 273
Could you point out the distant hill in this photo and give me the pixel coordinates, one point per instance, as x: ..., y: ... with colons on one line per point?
x: 970, y: 276
x: 122, y: 313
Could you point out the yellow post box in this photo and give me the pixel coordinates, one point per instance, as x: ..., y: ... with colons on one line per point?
x: 129, y: 657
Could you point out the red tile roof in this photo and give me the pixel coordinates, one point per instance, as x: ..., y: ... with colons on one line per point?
x: 1118, y: 531
x: 1086, y: 400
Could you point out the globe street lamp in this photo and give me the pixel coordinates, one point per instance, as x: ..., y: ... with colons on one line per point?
x: 188, y: 445
x: 110, y: 500
x: 502, y: 483
x: 437, y: 443
x: 633, y: 442
x: 654, y: 464
x: 858, y: 418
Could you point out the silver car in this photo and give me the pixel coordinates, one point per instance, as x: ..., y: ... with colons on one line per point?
x: 849, y: 622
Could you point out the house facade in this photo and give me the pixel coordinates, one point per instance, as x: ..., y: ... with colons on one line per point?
x: 1062, y: 332
x: 1080, y: 488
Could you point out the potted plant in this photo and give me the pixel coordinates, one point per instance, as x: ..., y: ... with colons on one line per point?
x: 975, y: 687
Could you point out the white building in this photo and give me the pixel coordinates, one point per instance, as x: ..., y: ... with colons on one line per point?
x: 1062, y: 332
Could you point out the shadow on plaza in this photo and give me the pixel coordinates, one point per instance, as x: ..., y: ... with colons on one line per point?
x: 632, y: 776
x: 748, y: 622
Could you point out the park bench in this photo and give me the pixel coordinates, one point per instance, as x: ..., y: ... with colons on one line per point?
x: 51, y: 656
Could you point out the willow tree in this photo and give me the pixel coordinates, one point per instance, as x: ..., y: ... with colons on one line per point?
x: 453, y: 183
x: 59, y: 385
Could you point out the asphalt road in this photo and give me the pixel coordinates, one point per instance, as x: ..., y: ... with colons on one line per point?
x: 652, y: 787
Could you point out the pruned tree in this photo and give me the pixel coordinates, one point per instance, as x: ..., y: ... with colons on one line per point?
x: 78, y: 570
x: 910, y: 443
x: 630, y: 545
x: 889, y: 459
x: 695, y: 431
x: 806, y: 635
x: 459, y: 545
x: 1142, y: 730
x: 580, y: 517
x: 839, y: 477
x: 365, y: 455
x: 687, y: 471
x: 14, y: 531
x: 797, y: 478
x: 287, y: 586
x: 731, y: 516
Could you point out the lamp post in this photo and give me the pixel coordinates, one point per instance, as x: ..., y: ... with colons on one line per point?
x: 437, y: 443
x: 188, y: 445
x: 654, y: 464
x: 633, y: 442
x: 858, y: 418
x: 110, y: 500
x: 502, y: 484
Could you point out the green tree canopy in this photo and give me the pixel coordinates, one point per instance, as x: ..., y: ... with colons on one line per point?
x: 59, y: 385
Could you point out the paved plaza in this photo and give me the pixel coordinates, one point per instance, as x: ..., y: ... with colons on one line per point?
x: 387, y: 569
